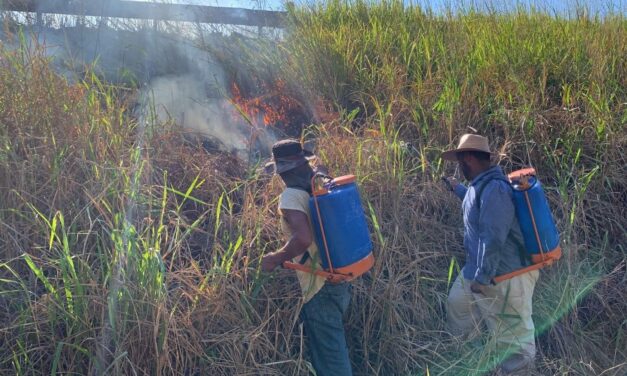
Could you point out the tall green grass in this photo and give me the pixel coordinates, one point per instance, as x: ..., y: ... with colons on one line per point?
x: 548, y: 90
x: 127, y: 251
x: 539, y: 83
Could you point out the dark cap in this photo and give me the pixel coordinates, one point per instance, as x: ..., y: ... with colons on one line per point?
x: 289, y: 148
x: 287, y: 155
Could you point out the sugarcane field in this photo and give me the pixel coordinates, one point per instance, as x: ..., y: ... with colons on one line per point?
x: 324, y: 188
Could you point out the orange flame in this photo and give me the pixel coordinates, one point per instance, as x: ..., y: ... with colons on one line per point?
x: 273, y: 107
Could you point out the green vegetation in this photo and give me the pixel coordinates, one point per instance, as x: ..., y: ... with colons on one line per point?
x: 131, y: 251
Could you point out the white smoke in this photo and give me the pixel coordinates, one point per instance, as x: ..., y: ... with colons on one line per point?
x: 179, y: 82
x: 183, y: 99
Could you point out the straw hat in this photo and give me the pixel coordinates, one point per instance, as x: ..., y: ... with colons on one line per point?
x: 468, y: 142
x: 287, y: 155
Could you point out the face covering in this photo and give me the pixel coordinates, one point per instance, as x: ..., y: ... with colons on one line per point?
x: 299, y: 178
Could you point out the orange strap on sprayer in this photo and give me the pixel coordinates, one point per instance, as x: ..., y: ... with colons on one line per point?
x: 533, y: 224
x: 540, y: 265
x: 331, y: 277
x: 315, y: 194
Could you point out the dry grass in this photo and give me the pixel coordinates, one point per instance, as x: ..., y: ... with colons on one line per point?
x: 128, y: 252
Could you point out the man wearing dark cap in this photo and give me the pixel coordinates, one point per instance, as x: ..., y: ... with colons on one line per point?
x: 324, y: 303
x: 493, y: 244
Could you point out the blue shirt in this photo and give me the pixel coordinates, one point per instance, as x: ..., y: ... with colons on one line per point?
x: 492, y: 236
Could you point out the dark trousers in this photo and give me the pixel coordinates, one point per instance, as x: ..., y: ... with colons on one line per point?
x: 324, y: 330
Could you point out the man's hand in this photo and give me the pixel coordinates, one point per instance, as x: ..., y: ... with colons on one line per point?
x: 477, y: 288
x: 451, y: 182
x: 270, y: 262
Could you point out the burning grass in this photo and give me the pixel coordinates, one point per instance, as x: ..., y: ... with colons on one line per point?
x: 134, y: 252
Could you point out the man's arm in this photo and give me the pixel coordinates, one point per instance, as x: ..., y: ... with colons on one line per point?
x: 456, y: 187
x: 460, y: 191
x: 296, y: 245
x: 495, y: 221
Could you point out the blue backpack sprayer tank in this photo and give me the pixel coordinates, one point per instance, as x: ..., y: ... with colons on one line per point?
x: 536, y: 222
x: 340, y: 230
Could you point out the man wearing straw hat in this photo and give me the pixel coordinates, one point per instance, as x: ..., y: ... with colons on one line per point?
x: 493, y: 243
x: 324, y: 303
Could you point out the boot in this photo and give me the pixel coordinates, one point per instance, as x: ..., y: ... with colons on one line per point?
x: 516, y: 365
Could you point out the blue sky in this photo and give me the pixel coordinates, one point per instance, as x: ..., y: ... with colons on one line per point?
x: 561, y: 6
